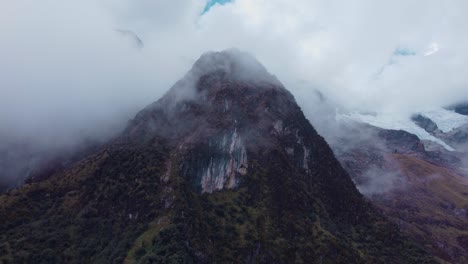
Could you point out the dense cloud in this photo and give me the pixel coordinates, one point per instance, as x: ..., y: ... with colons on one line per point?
x: 74, y: 69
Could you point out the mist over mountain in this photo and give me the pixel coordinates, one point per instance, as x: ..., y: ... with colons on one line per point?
x: 65, y: 79
x: 224, y: 167
x: 82, y: 139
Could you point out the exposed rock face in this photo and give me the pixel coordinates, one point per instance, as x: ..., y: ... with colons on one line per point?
x: 425, y: 123
x: 223, y: 168
x: 461, y: 108
x: 228, y: 162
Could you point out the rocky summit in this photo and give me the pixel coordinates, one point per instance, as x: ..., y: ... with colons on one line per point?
x: 224, y: 168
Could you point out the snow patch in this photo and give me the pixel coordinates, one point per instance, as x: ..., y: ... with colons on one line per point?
x: 446, y: 120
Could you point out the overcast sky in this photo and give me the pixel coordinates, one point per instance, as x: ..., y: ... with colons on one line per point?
x: 66, y: 71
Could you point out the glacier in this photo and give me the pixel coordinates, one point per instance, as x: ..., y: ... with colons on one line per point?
x: 395, y: 122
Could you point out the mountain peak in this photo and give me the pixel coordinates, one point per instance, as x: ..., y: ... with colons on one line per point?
x: 215, y: 71
x: 235, y: 64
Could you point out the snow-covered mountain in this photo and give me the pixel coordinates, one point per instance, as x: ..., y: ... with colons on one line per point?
x: 447, y: 121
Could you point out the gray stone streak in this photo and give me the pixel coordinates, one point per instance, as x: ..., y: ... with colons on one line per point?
x: 223, y: 170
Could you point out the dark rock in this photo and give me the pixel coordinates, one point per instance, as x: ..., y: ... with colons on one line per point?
x: 425, y: 123
x: 461, y: 108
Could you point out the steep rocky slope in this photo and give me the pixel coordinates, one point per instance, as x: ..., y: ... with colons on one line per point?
x: 223, y: 168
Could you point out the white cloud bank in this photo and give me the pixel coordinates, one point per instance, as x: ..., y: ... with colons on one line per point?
x: 66, y: 72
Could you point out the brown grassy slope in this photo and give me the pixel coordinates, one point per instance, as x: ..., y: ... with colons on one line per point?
x: 432, y: 207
